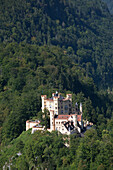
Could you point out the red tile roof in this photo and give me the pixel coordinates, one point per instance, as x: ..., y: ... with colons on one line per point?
x: 63, y: 117
x: 79, y: 117
x: 49, y: 99
x: 66, y: 99
x: 43, y: 95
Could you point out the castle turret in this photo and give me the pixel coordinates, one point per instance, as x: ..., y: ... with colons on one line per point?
x: 55, y: 94
x: 43, y: 97
x: 69, y: 96
x: 81, y: 107
x: 75, y: 120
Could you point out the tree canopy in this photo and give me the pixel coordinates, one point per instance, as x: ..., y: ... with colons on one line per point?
x: 55, y: 45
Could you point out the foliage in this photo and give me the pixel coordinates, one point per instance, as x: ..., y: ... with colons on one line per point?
x: 83, y: 28
x: 29, y: 71
x: 55, y: 45
x: 48, y: 150
x: 44, y: 118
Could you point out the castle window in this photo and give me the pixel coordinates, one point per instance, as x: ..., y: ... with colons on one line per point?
x: 55, y: 107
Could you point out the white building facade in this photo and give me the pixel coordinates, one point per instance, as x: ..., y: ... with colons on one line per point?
x: 57, y: 103
x: 63, y: 117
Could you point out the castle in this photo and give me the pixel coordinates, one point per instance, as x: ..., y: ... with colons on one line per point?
x: 63, y: 117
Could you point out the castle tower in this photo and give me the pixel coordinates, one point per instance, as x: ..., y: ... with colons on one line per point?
x: 52, y: 120
x: 75, y: 120
x: 55, y: 99
x: 69, y: 96
x: 81, y: 107
x: 43, y: 97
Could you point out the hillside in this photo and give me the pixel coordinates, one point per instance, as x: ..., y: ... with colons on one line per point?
x: 83, y: 28
x: 28, y: 71
x: 48, y: 46
x: 31, y: 61
x: 48, y: 150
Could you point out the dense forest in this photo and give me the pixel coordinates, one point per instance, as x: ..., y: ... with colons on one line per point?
x: 83, y: 28
x: 28, y: 71
x: 48, y: 150
x: 62, y: 45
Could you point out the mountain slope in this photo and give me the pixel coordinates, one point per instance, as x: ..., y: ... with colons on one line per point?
x: 43, y: 150
x: 55, y: 45
x: 85, y: 26
x: 27, y: 71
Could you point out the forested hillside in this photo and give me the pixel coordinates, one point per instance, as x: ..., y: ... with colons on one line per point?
x: 27, y: 71
x: 30, y: 63
x: 62, y: 45
x: 110, y: 5
x: 48, y: 150
x: 83, y: 28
